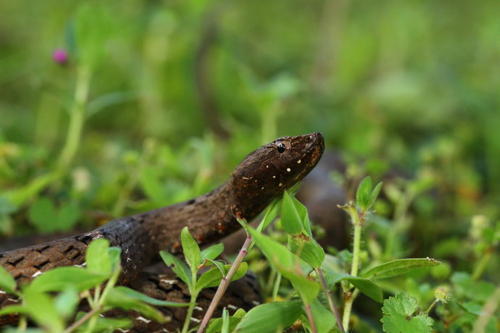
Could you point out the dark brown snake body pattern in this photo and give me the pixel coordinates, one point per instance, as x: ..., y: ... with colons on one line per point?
x: 262, y: 176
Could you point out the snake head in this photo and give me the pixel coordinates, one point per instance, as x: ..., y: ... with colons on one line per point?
x: 265, y: 173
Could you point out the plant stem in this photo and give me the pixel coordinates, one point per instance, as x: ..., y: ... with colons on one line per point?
x: 481, y: 265
x: 307, y: 308
x: 189, y: 313
x: 77, y: 118
x: 82, y: 320
x: 331, y: 303
x: 224, y: 284
x: 431, y: 306
x: 357, y: 221
x: 356, y: 245
x: 276, y: 286
x: 347, y: 309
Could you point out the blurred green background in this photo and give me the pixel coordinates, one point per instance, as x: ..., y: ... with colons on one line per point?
x: 169, y: 95
x: 115, y: 107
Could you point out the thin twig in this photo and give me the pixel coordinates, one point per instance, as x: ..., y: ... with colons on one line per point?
x: 331, y: 303
x: 309, y: 314
x: 224, y: 284
x: 82, y: 320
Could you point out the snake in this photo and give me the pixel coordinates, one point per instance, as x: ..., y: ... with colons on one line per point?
x: 260, y: 178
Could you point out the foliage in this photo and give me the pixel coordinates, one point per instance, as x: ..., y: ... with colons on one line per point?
x: 51, y: 299
x: 121, y: 124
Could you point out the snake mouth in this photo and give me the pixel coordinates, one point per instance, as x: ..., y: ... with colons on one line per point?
x: 315, y: 147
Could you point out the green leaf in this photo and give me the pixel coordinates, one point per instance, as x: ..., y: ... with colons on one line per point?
x: 398, y: 267
x: 307, y: 249
x: 364, y: 285
x: 67, y: 216
x: 474, y: 290
x: 400, y: 316
x: 290, y: 217
x: 97, y: 257
x: 270, y: 317
x: 105, y: 325
x: 363, y: 194
x: 120, y: 298
x: 212, y: 252
x: 43, y: 215
x: 374, y: 194
x: 269, y: 215
x: 180, y: 268
x: 133, y: 294
x: 191, y: 249
x: 47, y: 218
x: 212, y: 277
x: 367, y: 287
x: 324, y: 319
x: 13, y: 309
x: 42, y: 309
x: 215, y: 325
x: 288, y: 264
x: 66, y: 302
x: 7, y: 282
x: 62, y: 278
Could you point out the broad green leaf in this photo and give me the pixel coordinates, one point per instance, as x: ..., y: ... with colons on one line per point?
x: 67, y: 216
x: 475, y: 290
x: 290, y: 217
x: 364, y: 285
x: 42, y: 310
x: 43, y: 215
x: 133, y: 294
x: 324, y: 319
x: 179, y: 267
x: 270, y: 317
x: 212, y: 277
x: 398, y: 267
x: 118, y: 298
x: 288, y: 264
x: 307, y: 249
x: 66, y: 302
x: 7, y: 282
x: 62, y: 278
x: 367, y: 287
x: 97, y: 257
x: 400, y: 316
x: 363, y: 194
x: 212, y: 252
x: 191, y: 249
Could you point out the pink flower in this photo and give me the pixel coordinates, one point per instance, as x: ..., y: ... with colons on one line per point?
x: 60, y: 56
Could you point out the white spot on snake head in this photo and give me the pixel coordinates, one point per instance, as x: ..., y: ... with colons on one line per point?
x: 288, y: 170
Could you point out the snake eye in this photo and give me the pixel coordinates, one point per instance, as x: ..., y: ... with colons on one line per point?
x: 281, y: 147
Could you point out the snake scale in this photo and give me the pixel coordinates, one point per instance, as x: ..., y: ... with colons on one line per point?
x: 260, y: 178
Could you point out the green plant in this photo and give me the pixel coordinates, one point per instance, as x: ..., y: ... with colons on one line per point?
x: 51, y: 299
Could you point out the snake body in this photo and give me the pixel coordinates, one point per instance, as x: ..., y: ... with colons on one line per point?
x: 261, y: 177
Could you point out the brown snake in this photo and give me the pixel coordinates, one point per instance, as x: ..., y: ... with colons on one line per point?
x: 261, y: 177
